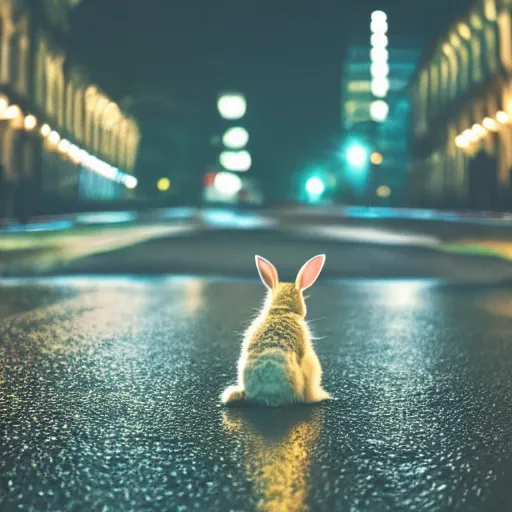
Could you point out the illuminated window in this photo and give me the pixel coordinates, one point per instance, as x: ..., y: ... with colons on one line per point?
x: 476, y: 60
x: 505, y: 40
x: 361, y: 86
x: 490, y: 10
x: 491, y: 49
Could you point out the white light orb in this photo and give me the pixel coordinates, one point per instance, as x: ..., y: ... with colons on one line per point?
x: 379, y: 110
x: 380, y: 87
x: 235, y: 138
x: 315, y: 186
x: 379, y: 41
x: 379, y: 16
x: 130, y: 182
x: 379, y: 55
x: 357, y: 155
x: 227, y: 183
x: 232, y: 106
x: 379, y: 27
x: 379, y: 69
x: 235, y: 160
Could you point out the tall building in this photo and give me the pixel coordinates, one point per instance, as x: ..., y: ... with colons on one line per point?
x: 462, y: 112
x: 375, y: 116
x: 62, y: 139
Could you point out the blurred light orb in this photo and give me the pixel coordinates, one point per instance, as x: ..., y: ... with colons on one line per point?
x: 30, y: 122
x: 357, y: 155
x: 376, y: 158
x: 163, y: 184
x: 379, y: 54
x: 490, y: 124
x: 227, y: 183
x: 502, y: 117
x: 130, y: 181
x: 380, y: 87
x: 12, y: 112
x: 45, y: 130
x: 235, y: 160
x: 379, y: 110
x: 235, y: 138
x: 64, y: 145
x: 383, y: 191
x: 379, y: 27
x: 232, y: 106
x: 4, y: 103
x: 379, y: 16
x: 53, y: 138
x: 379, y: 69
x: 379, y: 40
x: 315, y: 186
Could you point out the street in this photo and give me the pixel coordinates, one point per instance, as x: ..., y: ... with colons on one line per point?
x: 110, y: 384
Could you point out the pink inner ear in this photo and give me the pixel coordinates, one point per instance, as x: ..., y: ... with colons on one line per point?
x: 310, y: 271
x: 268, y: 272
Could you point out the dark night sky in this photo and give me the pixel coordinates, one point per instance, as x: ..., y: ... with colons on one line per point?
x: 286, y: 57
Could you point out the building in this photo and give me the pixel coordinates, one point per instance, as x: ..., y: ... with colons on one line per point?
x: 376, y: 121
x: 462, y: 108
x: 62, y: 139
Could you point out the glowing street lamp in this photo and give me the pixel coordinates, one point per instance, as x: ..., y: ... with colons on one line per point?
x: 379, y: 110
x: 235, y: 138
x: 357, y: 155
x: 163, y: 184
x: 235, y: 160
x: 227, y: 183
x: 232, y: 106
x: 315, y: 187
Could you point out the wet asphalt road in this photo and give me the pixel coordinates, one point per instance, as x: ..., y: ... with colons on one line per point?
x: 109, y: 399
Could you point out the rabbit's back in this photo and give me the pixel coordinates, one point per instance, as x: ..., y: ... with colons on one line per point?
x: 278, y: 331
x: 272, y: 374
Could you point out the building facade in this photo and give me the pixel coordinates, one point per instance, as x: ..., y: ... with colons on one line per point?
x: 62, y: 139
x: 462, y: 109
x: 383, y: 177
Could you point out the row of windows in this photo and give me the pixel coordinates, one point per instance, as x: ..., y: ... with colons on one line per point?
x: 472, y: 53
x: 79, y: 111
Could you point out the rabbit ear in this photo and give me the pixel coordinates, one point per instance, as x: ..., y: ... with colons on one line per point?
x: 309, y: 272
x: 268, y: 272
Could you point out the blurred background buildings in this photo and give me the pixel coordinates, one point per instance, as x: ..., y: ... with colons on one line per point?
x: 425, y: 120
x: 61, y: 138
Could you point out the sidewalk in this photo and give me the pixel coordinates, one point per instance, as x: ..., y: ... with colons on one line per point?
x: 38, y: 247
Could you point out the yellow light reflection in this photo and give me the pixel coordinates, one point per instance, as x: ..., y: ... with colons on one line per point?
x: 194, y: 295
x: 278, y: 445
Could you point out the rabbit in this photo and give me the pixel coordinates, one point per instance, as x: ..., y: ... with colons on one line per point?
x: 278, y: 365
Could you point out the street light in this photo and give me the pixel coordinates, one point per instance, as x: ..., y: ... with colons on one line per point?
x: 357, y: 155
x: 235, y: 160
x: 232, y: 106
x: 163, y: 184
x: 227, y: 183
x: 315, y: 187
x: 379, y: 110
x: 235, y: 138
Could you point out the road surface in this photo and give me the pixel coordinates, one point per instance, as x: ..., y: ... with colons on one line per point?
x: 109, y: 386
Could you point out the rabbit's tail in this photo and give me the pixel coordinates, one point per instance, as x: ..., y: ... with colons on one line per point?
x: 274, y: 379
